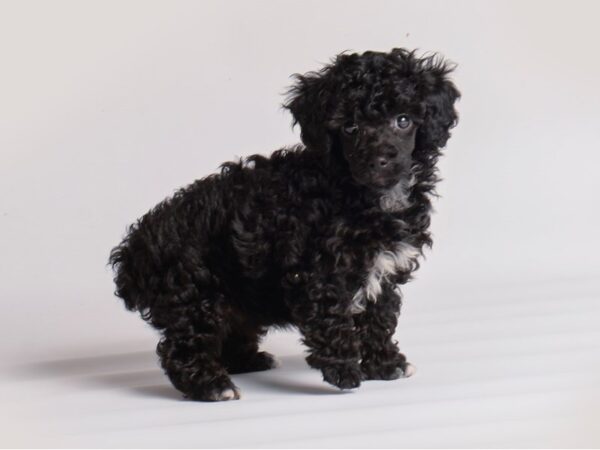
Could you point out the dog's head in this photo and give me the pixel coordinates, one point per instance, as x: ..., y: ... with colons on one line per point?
x: 378, y: 110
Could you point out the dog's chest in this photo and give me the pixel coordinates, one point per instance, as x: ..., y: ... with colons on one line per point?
x: 401, y: 258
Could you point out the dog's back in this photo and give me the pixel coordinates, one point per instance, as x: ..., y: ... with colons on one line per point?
x: 200, y: 241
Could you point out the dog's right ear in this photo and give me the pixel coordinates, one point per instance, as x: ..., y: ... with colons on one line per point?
x: 309, y: 101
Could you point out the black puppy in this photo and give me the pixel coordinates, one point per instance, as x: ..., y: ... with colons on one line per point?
x: 316, y: 236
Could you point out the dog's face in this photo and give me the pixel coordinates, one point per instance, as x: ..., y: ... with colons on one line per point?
x: 379, y: 153
x: 382, y: 111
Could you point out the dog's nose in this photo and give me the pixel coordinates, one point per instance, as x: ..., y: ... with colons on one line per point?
x: 378, y: 162
x: 383, y: 160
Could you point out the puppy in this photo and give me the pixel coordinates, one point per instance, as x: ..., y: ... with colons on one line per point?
x: 317, y: 236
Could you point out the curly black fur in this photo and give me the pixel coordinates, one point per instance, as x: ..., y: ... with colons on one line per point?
x: 316, y: 236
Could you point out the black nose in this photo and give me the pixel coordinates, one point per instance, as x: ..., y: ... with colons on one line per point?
x: 383, y: 160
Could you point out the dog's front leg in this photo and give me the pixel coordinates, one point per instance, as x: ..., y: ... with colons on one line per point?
x: 380, y: 356
x: 329, y: 333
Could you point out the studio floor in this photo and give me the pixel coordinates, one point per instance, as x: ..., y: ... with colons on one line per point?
x: 497, y: 367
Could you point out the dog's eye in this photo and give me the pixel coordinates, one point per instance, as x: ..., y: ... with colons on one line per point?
x: 350, y: 128
x: 403, y: 121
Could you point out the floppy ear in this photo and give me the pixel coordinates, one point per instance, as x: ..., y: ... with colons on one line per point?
x: 308, y: 101
x: 439, y: 96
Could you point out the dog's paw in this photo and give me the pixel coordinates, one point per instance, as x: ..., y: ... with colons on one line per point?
x: 255, y: 363
x: 262, y: 361
x: 220, y: 388
x: 394, y: 371
x: 343, y: 376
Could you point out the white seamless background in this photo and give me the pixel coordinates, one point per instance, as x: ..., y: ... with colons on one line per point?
x: 106, y: 108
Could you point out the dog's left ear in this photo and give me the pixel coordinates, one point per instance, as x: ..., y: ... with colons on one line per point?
x: 439, y: 96
x: 308, y: 101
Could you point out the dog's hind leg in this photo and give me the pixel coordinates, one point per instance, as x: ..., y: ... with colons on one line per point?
x: 240, y: 350
x: 190, y: 352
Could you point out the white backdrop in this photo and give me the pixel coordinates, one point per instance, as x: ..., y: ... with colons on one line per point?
x: 108, y: 107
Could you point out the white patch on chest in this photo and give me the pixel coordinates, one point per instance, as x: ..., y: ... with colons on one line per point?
x: 385, y: 263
